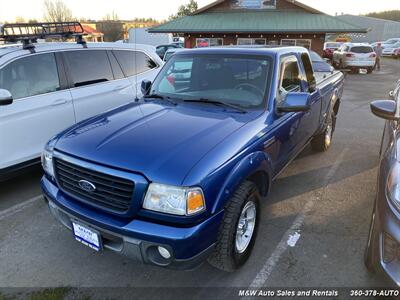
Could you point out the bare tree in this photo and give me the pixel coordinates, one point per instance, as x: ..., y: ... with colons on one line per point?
x: 57, y: 11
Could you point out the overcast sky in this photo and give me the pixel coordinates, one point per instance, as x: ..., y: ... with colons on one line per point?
x: 161, y: 9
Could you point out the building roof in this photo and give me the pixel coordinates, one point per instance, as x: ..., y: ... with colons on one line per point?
x: 263, y: 21
x: 90, y: 30
x: 297, y: 3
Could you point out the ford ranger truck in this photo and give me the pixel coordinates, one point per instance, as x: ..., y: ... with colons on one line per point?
x: 178, y: 178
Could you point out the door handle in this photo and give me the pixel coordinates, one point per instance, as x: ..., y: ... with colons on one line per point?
x: 118, y: 88
x: 59, y: 102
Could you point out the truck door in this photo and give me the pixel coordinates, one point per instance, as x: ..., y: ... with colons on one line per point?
x: 309, y: 85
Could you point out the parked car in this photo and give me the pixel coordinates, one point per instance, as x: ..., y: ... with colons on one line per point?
x: 329, y: 48
x: 171, y: 52
x: 178, y: 179
x: 390, y: 42
x: 162, y: 49
x: 319, y: 64
x: 355, y: 56
x: 61, y: 84
x: 383, y: 248
x: 392, y: 51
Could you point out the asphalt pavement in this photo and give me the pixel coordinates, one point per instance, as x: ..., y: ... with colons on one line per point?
x: 313, y: 230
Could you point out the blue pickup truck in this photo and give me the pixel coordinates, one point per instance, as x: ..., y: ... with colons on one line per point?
x: 178, y: 177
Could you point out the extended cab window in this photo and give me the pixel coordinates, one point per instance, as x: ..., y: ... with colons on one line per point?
x: 290, y: 75
x: 133, y: 65
x: 30, y: 76
x: 88, y: 67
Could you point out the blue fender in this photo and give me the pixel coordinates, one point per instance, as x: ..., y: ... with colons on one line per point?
x: 249, y: 165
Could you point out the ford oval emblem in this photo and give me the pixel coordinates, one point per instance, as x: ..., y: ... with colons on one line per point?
x: 87, y: 186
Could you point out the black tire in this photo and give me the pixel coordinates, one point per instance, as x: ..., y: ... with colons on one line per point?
x: 323, y: 141
x: 370, y: 70
x: 371, y: 254
x: 225, y: 256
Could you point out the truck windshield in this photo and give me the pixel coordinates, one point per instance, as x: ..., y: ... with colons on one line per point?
x: 241, y: 80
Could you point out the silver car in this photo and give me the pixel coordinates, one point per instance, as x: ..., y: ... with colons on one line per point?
x: 355, y: 56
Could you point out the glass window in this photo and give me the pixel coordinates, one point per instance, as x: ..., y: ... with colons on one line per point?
x: 287, y: 42
x: 362, y: 49
x: 305, y: 58
x: 132, y: 65
x: 303, y: 43
x: 240, y: 80
x: 88, y: 67
x: 30, y: 76
x: 209, y: 42
x: 116, y: 68
x: 144, y: 63
x: 290, y: 76
x: 246, y: 41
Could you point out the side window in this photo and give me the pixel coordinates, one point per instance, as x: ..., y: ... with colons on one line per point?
x: 132, y: 65
x: 290, y: 75
x: 116, y: 68
x: 30, y: 76
x: 88, y: 67
x: 305, y: 58
x: 126, y: 60
x: 144, y: 63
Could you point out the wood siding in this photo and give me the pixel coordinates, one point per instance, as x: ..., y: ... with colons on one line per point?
x: 280, y: 5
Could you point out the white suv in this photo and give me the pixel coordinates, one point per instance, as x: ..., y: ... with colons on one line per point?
x: 52, y: 86
x: 355, y: 56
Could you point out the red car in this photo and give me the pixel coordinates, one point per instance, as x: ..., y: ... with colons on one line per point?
x: 329, y: 48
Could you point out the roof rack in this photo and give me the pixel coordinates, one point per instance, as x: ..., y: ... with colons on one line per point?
x: 29, y: 33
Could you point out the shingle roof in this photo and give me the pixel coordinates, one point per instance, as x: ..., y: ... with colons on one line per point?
x: 258, y: 21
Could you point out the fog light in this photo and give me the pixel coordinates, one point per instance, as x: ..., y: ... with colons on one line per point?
x: 391, y: 249
x: 164, y: 252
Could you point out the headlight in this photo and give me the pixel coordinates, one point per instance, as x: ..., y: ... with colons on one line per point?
x: 47, y: 163
x: 174, y: 200
x: 393, y: 185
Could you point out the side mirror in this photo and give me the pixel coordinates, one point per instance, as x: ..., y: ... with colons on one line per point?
x: 146, y: 86
x: 385, y: 109
x: 295, y: 102
x: 5, y: 97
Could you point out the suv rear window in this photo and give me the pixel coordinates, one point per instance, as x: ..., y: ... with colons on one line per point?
x: 362, y: 49
x: 132, y: 65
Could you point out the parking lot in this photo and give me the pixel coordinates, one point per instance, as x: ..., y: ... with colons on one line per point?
x: 312, y: 234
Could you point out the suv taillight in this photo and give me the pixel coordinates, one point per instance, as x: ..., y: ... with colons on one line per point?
x: 373, y: 55
x: 350, y: 55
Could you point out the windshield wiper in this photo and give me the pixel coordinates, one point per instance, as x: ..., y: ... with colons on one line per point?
x: 217, y: 102
x: 161, y: 97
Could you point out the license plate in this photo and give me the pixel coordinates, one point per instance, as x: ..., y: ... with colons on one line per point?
x: 87, y: 236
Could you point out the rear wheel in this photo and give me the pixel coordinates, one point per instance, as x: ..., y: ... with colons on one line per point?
x: 323, y: 141
x: 238, y: 229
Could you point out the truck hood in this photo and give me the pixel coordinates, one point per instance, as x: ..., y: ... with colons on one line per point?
x: 163, y: 143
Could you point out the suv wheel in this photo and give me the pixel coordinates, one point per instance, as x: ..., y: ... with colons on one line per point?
x: 238, y: 229
x: 323, y: 141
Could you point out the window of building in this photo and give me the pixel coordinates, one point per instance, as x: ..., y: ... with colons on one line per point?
x: 253, y: 4
x: 89, y: 67
x: 30, y: 76
x: 209, y: 42
x: 297, y: 42
x: 248, y: 41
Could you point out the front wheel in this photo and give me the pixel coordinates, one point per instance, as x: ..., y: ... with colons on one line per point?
x: 238, y: 229
x: 371, y: 255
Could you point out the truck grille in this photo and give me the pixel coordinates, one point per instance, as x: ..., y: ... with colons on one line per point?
x: 111, y: 193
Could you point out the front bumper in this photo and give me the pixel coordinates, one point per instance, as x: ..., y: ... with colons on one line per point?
x: 388, y: 225
x: 139, y: 239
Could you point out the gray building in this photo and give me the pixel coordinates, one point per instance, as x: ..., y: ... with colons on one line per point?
x: 379, y: 30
